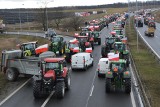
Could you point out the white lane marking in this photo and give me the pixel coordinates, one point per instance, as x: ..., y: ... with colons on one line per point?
x: 92, y: 90
x: 14, y: 92
x: 92, y: 87
x: 46, y: 101
x: 133, y: 99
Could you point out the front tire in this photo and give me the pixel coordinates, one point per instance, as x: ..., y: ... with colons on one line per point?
x: 37, y: 90
x: 60, y: 90
x: 127, y: 86
x: 68, y: 81
x: 108, y: 85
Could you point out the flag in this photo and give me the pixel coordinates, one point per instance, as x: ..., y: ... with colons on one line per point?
x: 41, y: 49
x: 89, y: 50
x: 113, y: 56
x: 76, y: 49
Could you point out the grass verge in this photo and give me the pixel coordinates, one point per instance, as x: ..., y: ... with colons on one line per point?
x: 157, y: 16
x: 147, y: 66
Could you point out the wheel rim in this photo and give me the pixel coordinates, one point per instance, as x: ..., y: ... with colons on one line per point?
x: 62, y: 51
x: 63, y: 91
x: 10, y: 75
x: 69, y: 81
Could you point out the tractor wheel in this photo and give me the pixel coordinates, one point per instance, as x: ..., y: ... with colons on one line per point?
x: 26, y: 54
x: 37, y: 90
x: 60, y: 89
x: 68, y: 81
x: 61, y: 51
x: 128, y: 86
x: 108, y: 85
x: 11, y: 74
x: 92, y: 63
x: 99, y: 75
x: 92, y: 44
x: 99, y: 41
x: 67, y: 58
x: 103, y: 51
x: 85, y: 68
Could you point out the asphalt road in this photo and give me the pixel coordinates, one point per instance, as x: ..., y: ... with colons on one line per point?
x: 152, y: 41
x: 87, y: 90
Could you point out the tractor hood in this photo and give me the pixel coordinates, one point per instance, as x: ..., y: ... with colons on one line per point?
x: 50, y: 74
x: 55, y: 43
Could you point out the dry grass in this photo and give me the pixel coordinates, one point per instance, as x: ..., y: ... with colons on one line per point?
x: 148, y: 67
x: 157, y: 16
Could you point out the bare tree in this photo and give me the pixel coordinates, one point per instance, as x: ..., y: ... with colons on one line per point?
x: 42, y: 18
x: 75, y: 22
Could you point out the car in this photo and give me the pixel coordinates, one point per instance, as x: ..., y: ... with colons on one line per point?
x: 103, y: 66
x: 81, y: 60
x: 50, y: 33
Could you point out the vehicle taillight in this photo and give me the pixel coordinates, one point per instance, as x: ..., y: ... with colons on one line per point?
x: 98, y: 67
x: 84, y: 60
x: 109, y: 72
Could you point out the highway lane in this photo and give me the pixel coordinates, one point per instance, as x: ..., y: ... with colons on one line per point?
x: 152, y: 41
x: 81, y: 93
x: 94, y: 94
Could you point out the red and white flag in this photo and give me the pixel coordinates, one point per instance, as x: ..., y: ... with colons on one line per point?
x: 41, y: 49
x: 89, y: 50
x: 113, y: 56
x: 76, y: 49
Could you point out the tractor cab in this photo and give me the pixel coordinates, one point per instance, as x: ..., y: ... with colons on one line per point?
x: 28, y: 48
x: 119, y: 46
x: 53, y: 67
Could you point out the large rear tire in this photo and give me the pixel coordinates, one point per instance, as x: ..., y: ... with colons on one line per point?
x: 11, y: 74
x: 108, y: 85
x: 128, y: 86
x: 60, y: 89
x: 68, y: 81
x: 37, y: 90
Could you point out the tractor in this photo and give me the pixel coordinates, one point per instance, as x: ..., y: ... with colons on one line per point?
x: 28, y: 49
x: 120, y: 47
x: 96, y: 37
x: 108, y: 46
x: 72, y: 47
x: 118, y: 76
x: 53, y: 76
x: 58, y: 45
x: 151, y: 29
x: 84, y: 42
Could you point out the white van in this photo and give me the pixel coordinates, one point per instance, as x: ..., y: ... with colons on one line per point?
x: 103, y: 66
x: 81, y: 61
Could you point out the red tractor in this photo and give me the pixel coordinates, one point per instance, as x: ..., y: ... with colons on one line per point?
x: 54, y: 75
x: 85, y: 42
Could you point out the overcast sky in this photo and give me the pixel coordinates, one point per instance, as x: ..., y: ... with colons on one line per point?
x: 53, y: 3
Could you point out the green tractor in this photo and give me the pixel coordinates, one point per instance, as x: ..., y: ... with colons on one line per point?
x: 108, y: 46
x: 58, y: 45
x: 118, y: 77
x: 96, y: 37
x: 72, y: 47
x: 28, y: 49
x: 120, y: 47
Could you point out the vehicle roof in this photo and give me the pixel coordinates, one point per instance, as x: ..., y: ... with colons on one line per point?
x: 119, y: 61
x: 103, y: 59
x: 81, y: 54
x: 118, y: 42
x: 29, y: 42
x: 82, y: 36
x: 53, y: 59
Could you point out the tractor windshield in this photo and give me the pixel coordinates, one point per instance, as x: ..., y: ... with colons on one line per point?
x: 73, y: 45
x: 119, y: 66
x: 119, y: 47
x: 29, y: 47
x: 96, y: 34
x: 82, y: 39
x: 51, y: 66
x: 110, y: 40
x: 56, y: 39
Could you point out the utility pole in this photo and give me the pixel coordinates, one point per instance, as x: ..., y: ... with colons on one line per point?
x: 136, y: 27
